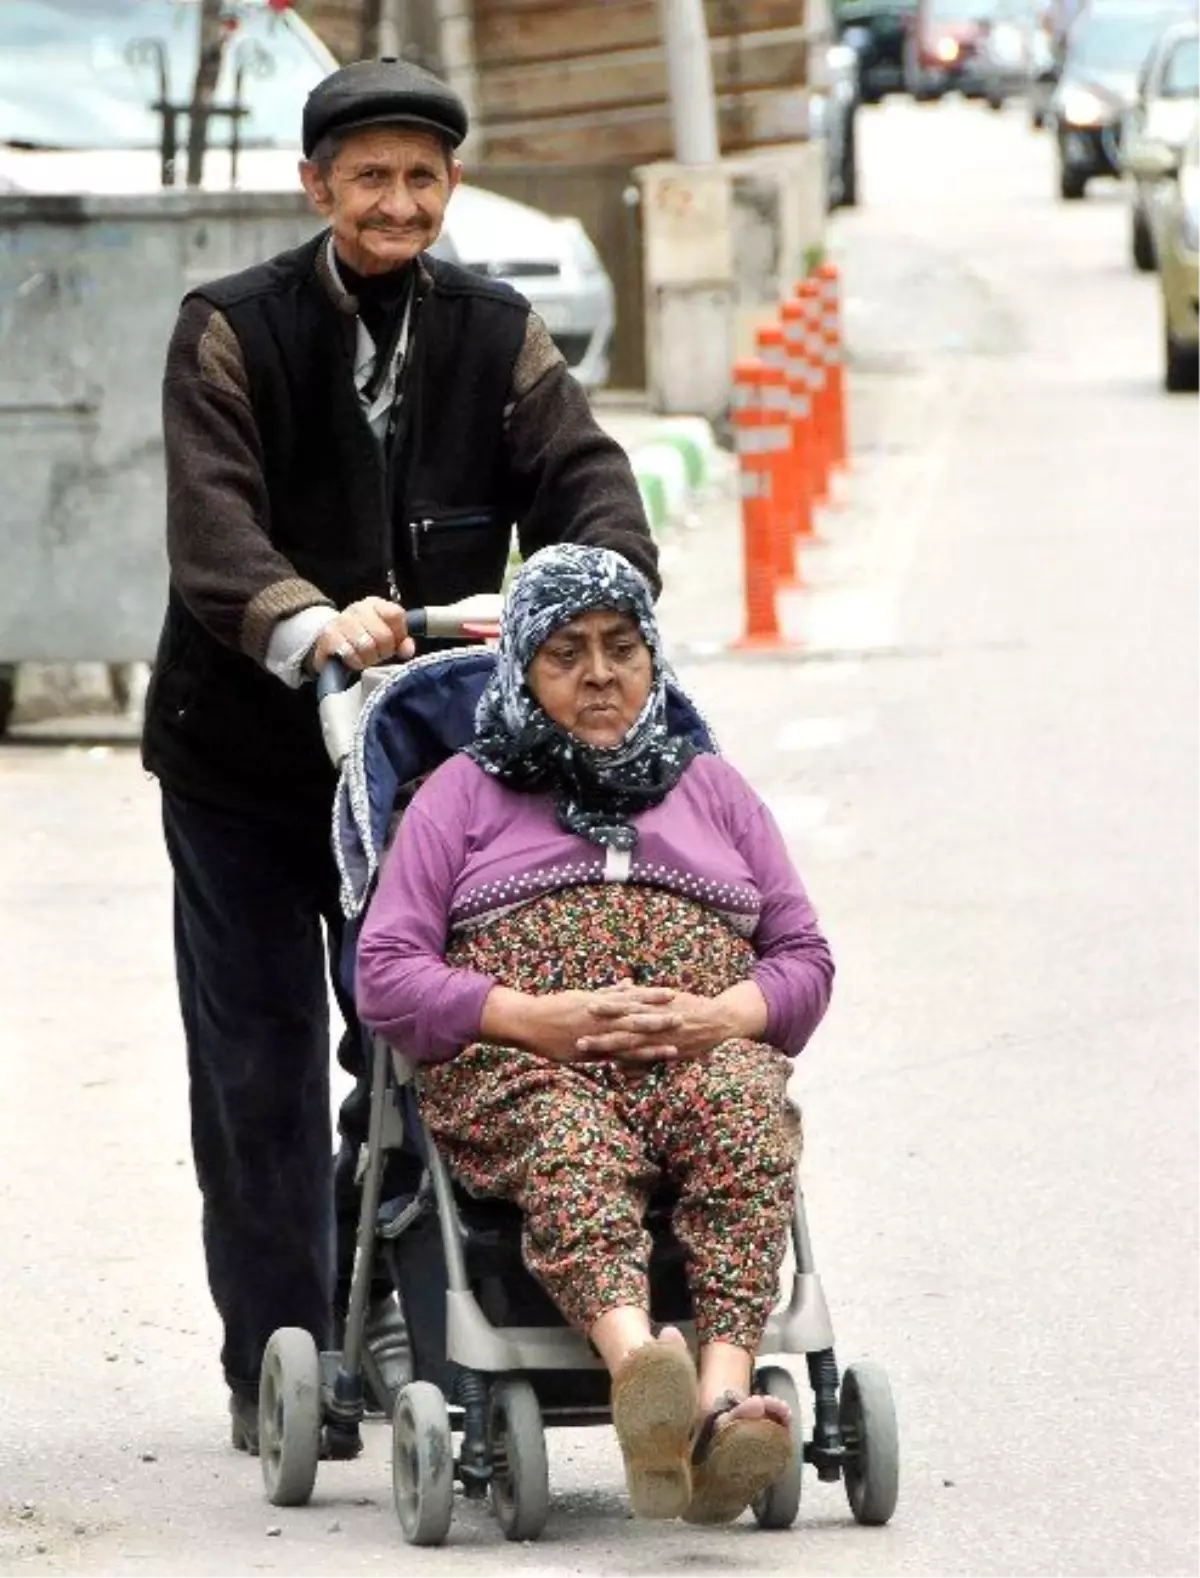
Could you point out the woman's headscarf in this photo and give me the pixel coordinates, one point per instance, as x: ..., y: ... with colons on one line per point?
x: 596, y: 788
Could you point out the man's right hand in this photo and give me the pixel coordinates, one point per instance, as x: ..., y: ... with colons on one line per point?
x: 367, y: 632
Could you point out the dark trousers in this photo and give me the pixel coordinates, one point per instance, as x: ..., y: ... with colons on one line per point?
x: 256, y: 911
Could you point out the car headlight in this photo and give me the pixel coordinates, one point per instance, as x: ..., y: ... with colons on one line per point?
x: 1078, y: 107
x: 1189, y: 225
x: 946, y: 50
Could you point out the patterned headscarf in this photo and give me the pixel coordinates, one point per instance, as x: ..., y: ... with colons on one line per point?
x: 596, y: 789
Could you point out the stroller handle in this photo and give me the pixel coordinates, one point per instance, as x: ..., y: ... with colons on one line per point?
x: 339, y: 698
x: 477, y: 617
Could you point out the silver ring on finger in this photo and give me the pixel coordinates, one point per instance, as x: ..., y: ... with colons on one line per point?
x: 343, y: 652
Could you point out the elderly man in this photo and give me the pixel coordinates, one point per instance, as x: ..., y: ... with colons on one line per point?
x: 351, y: 427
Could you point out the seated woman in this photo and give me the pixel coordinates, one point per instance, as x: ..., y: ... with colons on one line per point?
x: 590, y: 937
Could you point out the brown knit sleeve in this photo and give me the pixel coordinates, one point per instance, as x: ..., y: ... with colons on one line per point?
x: 219, y: 544
x: 574, y: 482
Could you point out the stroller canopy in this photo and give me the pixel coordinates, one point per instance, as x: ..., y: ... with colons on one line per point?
x: 417, y: 716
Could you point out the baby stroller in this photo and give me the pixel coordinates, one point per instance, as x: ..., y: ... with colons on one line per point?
x: 493, y: 1362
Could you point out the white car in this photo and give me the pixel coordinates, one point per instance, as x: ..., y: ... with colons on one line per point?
x: 82, y: 84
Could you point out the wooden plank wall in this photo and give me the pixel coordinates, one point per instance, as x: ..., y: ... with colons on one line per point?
x: 584, y: 81
x: 340, y: 23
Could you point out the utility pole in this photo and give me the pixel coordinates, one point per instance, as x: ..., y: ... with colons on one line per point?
x: 690, y: 80
x: 392, y: 30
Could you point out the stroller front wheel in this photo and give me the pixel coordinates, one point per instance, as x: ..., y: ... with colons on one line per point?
x: 778, y: 1506
x: 289, y: 1416
x: 520, y: 1486
x: 870, y: 1436
x: 422, y: 1463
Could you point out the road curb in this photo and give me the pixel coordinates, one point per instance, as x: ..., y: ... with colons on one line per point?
x: 674, y: 468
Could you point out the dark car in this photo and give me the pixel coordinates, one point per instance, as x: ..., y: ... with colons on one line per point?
x: 942, y: 51
x: 876, y: 31
x: 1106, y: 48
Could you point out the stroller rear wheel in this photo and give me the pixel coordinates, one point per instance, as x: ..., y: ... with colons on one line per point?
x: 422, y: 1463
x: 520, y: 1488
x: 289, y: 1416
x: 777, y: 1507
x: 870, y: 1436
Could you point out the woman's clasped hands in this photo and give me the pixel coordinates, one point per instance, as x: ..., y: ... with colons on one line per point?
x: 627, y: 1023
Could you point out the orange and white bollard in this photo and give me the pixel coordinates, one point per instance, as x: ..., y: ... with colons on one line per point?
x: 835, y: 363
x: 808, y: 293
x: 795, y: 336
x: 772, y: 352
x: 777, y: 425
x: 757, y: 455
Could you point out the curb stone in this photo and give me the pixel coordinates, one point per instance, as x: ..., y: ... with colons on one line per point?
x: 673, y: 468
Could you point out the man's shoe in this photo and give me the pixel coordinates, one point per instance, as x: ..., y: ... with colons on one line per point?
x: 243, y: 1423
x: 339, y: 1445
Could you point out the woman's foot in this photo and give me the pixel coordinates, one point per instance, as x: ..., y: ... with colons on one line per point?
x: 655, y: 1395
x: 742, y: 1446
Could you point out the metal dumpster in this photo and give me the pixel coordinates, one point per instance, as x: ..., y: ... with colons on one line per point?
x: 89, y: 290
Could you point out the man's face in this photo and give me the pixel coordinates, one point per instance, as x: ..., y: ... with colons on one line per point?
x: 384, y: 195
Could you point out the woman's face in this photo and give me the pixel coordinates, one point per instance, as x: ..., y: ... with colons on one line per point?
x: 593, y: 676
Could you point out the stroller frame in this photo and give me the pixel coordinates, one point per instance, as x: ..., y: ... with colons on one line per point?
x: 312, y: 1404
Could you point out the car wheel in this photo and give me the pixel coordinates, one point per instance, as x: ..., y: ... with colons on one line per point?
x: 1182, y: 372
x: 8, y: 694
x: 1141, y: 242
x: 915, y: 80
x: 1072, y: 184
x: 850, y: 165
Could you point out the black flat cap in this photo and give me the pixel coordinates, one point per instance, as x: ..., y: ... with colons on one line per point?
x: 382, y: 92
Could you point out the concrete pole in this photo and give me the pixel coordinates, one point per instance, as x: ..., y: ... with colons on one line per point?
x: 690, y: 79
x: 391, y: 33
x: 456, y: 48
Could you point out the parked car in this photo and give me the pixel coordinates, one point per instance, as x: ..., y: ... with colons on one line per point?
x: 943, y: 47
x: 552, y: 262
x: 876, y: 31
x: 833, y: 114
x: 1106, y: 48
x: 1016, y: 51
x: 1164, y: 111
x: 1175, y: 219
x: 79, y: 81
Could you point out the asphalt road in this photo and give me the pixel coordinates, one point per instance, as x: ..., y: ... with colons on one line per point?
x: 984, y: 754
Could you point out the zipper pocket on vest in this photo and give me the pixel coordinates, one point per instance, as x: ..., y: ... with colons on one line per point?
x: 421, y: 531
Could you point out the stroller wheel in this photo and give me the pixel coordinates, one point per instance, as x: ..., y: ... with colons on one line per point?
x: 422, y: 1463
x: 520, y: 1488
x: 777, y: 1507
x: 289, y: 1416
x: 869, y: 1434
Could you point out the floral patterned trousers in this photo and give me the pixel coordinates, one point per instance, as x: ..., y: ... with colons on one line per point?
x: 579, y: 1147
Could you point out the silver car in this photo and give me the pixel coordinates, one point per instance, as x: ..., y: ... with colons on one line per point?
x: 1164, y: 112
x: 552, y: 262
x: 78, y: 83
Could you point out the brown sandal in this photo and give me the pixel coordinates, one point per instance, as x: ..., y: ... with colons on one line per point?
x: 655, y: 1394
x: 734, y: 1464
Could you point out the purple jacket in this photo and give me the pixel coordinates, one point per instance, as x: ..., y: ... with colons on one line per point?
x: 468, y: 846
